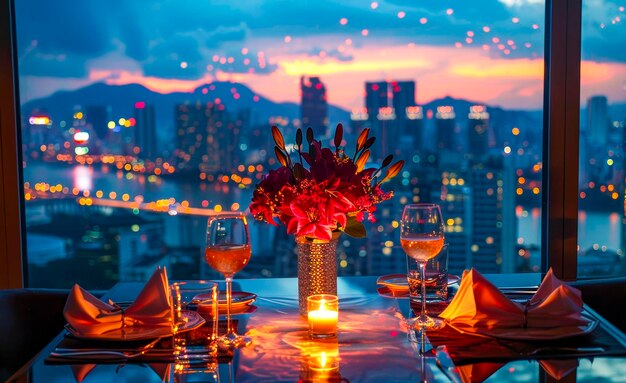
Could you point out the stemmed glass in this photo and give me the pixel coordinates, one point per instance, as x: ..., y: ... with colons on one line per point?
x: 228, y: 251
x: 422, y: 237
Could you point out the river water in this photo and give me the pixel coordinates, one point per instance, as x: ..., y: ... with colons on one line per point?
x: 601, y: 228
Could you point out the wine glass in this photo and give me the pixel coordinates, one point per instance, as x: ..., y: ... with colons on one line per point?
x: 422, y: 237
x: 228, y: 251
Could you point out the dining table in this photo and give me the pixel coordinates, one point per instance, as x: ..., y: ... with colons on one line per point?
x: 373, y: 344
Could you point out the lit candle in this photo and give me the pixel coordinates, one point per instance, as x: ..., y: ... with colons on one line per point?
x: 323, y: 315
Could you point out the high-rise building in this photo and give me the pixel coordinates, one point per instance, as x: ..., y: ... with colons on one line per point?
x: 38, y: 131
x: 414, y: 125
x: 226, y: 140
x: 597, y: 120
x: 402, y: 97
x: 455, y: 200
x: 491, y: 210
x: 384, y: 253
x: 195, y: 122
x: 391, y: 113
x: 359, y: 120
x: 314, y: 105
x: 207, y: 136
x: 387, y: 133
x: 98, y: 117
x: 376, y: 97
x: 509, y: 219
x: 445, y: 124
x: 478, y: 130
x: 145, y: 130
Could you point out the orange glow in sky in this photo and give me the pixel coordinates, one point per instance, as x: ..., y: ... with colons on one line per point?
x: 469, y: 73
x: 157, y: 84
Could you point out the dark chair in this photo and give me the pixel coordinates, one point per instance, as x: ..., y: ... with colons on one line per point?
x: 29, y: 319
x: 607, y: 297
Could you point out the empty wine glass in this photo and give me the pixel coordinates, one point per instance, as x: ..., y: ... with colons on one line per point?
x: 228, y: 251
x: 422, y: 237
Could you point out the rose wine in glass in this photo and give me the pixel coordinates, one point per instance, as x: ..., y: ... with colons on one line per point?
x: 422, y: 238
x: 228, y: 251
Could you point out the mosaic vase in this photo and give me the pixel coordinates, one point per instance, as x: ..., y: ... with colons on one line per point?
x: 317, y: 268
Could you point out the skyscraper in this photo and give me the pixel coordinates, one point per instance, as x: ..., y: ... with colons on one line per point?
x: 359, y: 119
x: 493, y: 220
x: 408, y: 114
x: 207, y: 136
x: 478, y: 130
x: 403, y: 96
x: 314, y: 105
x: 194, y: 122
x: 445, y: 121
x: 455, y: 200
x: 597, y: 120
x: 145, y: 130
x: 98, y: 116
x: 414, y: 126
x: 376, y: 97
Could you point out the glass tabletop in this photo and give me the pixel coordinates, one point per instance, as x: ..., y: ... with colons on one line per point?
x: 373, y: 345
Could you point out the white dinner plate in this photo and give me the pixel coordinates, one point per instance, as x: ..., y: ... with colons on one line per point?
x: 192, y: 320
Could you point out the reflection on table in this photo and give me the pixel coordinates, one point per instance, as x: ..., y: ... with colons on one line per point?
x: 373, y: 345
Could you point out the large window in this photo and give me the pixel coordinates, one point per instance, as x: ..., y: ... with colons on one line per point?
x: 138, y: 121
x: 601, y: 219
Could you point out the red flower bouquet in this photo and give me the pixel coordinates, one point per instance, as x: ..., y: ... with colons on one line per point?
x: 324, y: 191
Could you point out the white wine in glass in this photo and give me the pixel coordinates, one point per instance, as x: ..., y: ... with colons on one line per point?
x: 422, y: 238
x: 228, y: 251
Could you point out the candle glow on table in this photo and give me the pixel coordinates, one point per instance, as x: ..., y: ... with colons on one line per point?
x: 320, y: 361
x: 323, y: 315
x: 325, y: 361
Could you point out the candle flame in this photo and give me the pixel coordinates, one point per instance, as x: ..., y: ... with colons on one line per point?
x: 322, y: 305
x: 323, y: 359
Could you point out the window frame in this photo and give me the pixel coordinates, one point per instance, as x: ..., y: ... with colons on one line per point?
x: 12, y: 220
x: 561, y: 129
x: 561, y: 132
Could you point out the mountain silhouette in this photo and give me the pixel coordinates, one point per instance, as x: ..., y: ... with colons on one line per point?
x: 120, y: 101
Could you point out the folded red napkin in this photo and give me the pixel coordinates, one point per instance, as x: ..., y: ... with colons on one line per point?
x: 90, y: 316
x: 480, y: 304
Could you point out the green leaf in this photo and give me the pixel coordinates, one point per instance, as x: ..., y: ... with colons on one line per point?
x: 354, y: 228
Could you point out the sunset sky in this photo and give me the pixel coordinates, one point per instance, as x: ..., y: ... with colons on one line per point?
x: 482, y: 50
